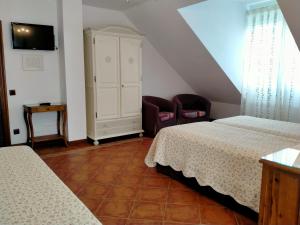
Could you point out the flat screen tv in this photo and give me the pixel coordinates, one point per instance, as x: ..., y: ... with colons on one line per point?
x: 32, y: 36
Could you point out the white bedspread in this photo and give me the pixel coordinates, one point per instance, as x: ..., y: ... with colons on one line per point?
x: 223, y: 157
x: 280, y: 128
x: 31, y: 194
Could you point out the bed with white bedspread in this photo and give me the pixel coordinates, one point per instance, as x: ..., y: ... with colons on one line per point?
x: 217, y: 155
x: 276, y: 127
x: 31, y: 194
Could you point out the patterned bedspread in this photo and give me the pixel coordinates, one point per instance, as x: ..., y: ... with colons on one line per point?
x: 31, y: 194
x: 223, y: 157
x: 280, y: 128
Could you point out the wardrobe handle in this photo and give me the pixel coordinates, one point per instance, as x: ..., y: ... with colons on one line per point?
x: 122, y: 85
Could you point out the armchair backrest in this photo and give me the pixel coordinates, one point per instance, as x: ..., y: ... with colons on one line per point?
x: 163, y: 104
x: 190, y: 101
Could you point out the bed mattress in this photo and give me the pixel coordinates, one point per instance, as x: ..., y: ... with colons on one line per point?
x: 217, y: 155
x: 31, y: 194
x: 280, y: 128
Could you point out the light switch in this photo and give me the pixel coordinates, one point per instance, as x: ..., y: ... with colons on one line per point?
x: 12, y: 92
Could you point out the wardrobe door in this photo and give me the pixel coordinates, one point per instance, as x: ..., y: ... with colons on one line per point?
x: 107, y: 68
x: 130, y: 50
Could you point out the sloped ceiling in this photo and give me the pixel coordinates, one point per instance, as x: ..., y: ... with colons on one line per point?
x: 221, y: 27
x: 291, y: 12
x: 177, y: 43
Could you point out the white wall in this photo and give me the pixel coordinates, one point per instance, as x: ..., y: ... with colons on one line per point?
x: 72, y: 66
x: 220, y: 25
x: 30, y: 86
x: 159, y: 78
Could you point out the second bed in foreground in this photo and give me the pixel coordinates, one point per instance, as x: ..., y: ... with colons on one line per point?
x: 217, y: 155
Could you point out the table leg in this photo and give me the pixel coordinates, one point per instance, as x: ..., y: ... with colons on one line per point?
x: 65, y: 117
x: 25, y: 114
x: 31, y: 129
x: 58, y: 122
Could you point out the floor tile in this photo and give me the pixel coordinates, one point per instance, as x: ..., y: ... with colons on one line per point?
x: 62, y: 173
x: 115, y: 208
x: 92, y: 204
x: 122, y: 193
x: 81, y: 176
x: 97, y: 160
x: 133, y: 170
x: 152, y: 194
x: 87, y: 168
x: 130, y: 181
x: 206, y: 201
x: 177, y: 185
x: 112, y: 168
x: 74, y: 186
x: 105, y: 178
x: 147, y: 210
x: 171, y: 223
x: 95, y: 190
x: 143, y: 222
x: 182, y: 213
x: 215, y: 215
x: 160, y: 182
x: 152, y: 172
x: 115, y: 161
x: 112, y: 220
x: 182, y: 197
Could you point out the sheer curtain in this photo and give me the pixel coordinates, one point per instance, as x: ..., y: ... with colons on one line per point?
x: 271, y: 82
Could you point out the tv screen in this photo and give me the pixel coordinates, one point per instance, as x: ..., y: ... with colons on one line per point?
x: 32, y: 36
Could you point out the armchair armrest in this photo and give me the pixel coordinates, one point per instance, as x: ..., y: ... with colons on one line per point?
x: 179, y: 108
x: 150, y: 117
x: 205, y: 104
x: 150, y: 108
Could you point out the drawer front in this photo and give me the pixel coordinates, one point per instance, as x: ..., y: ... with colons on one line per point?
x: 111, y: 128
x: 136, y: 121
x: 51, y: 108
x: 116, y: 131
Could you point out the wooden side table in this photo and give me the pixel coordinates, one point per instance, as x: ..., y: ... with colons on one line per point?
x: 280, y: 190
x: 61, y: 115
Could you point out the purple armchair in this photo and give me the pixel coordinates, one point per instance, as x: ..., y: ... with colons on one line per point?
x: 192, y: 108
x: 157, y: 113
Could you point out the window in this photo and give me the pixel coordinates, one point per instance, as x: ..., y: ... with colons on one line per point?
x: 271, y: 82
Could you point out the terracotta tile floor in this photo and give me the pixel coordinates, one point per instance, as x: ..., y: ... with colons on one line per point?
x: 115, y: 184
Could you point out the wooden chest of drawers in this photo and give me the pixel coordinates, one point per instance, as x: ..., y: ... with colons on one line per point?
x: 280, y: 191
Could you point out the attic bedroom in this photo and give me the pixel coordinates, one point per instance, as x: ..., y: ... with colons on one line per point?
x: 158, y: 112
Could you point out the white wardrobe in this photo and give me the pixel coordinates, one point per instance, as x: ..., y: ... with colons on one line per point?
x: 113, y: 63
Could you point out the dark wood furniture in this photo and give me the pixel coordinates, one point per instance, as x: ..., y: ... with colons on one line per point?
x: 61, y: 115
x: 280, y: 189
x: 5, y: 130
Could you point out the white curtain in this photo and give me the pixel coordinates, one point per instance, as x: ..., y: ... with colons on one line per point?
x: 271, y: 82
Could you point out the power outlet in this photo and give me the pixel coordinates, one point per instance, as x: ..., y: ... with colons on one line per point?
x: 16, y: 131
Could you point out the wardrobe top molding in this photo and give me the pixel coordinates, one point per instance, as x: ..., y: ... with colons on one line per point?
x: 115, y: 31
